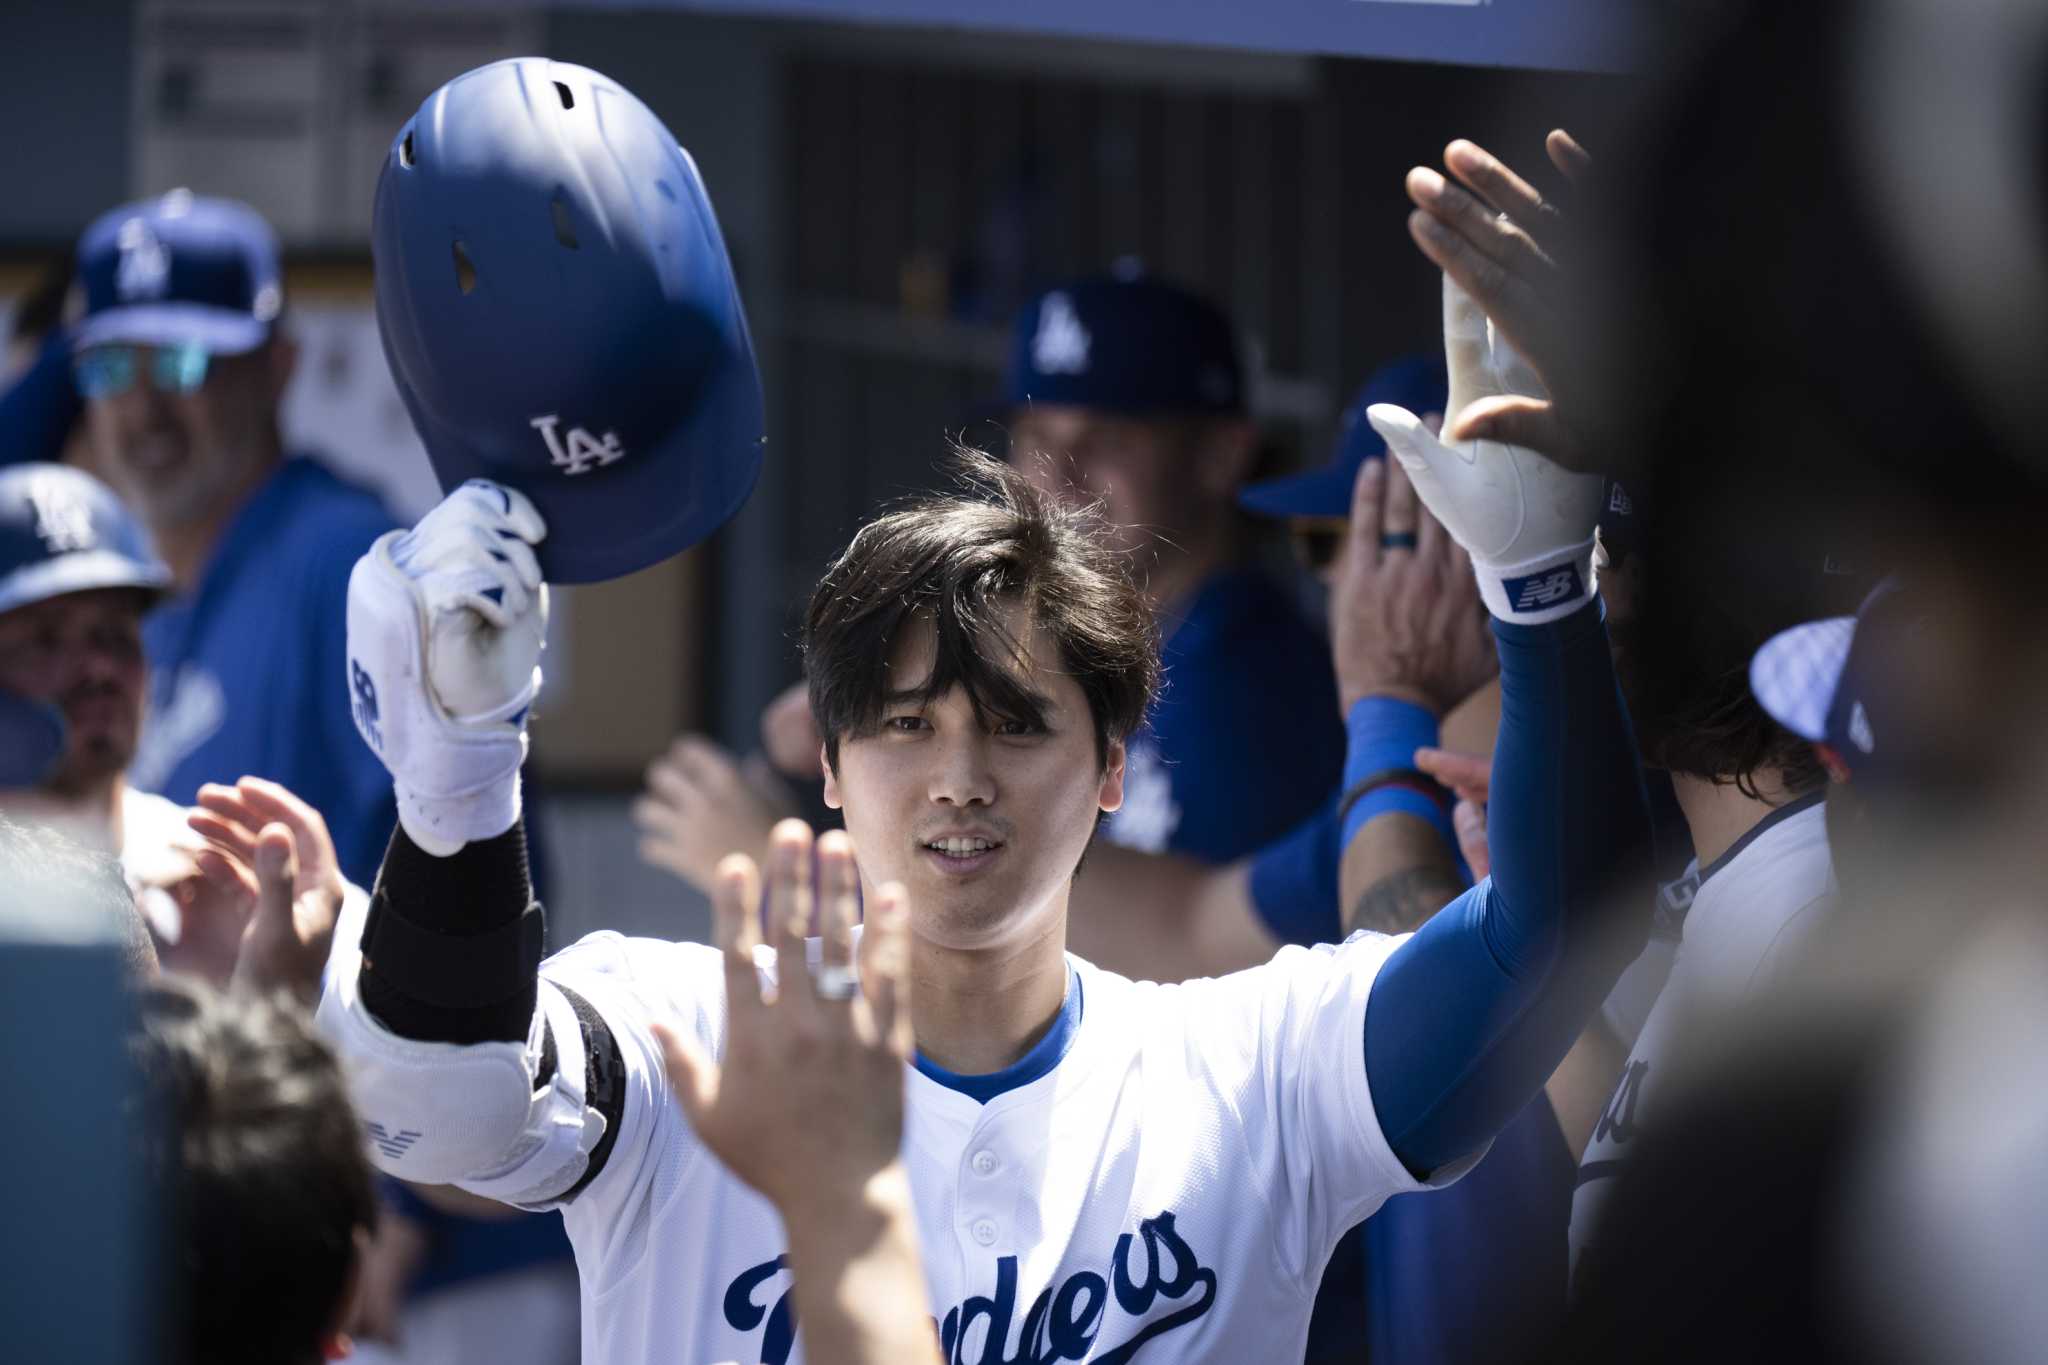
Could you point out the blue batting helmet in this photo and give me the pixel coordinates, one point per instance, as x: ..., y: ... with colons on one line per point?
x: 560, y: 315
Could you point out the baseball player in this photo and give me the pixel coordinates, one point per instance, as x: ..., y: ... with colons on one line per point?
x: 1099, y: 1167
x: 77, y: 575
x: 182, y: 364
x: 1127, y: 388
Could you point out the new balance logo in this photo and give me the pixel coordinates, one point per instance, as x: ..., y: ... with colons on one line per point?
x: 363, y: 695
x: 1060, y: 346
x: 582, y: 452
x: 393, y: 1145
x: 1544, y: 589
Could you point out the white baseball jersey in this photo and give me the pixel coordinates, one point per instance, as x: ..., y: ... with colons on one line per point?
x: 1750, y: 909
x: 1170, y: 1190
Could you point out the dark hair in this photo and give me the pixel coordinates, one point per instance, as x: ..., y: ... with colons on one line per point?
x: 954, y: 560
x: 258, y: 1157
x: 1689, y: 672
x: 40, y: 866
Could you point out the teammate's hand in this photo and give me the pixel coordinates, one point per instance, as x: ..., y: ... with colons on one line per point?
x: 701, y: 804
x: 1526, y: 521
x: 789, y: 735
x: 812, y: 1045
x: 1405, y: 621
x: 262, y: 835
x: 1471, y: 778
x: 445, y: 626
x: 1492, y: 232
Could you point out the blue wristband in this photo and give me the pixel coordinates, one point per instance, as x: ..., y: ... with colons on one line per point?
x: 1384, y: 734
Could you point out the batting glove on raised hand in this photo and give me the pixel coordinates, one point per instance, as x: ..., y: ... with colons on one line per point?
x: 445, y: 625
x: 1526, y: 521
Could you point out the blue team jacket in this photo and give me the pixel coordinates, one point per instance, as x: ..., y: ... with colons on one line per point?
x: 248, y: 671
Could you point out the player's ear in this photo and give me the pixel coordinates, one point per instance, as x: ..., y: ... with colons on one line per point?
x: 831, y: 771
x: 1111, y: 795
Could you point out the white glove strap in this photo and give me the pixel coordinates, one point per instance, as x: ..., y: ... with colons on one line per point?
x: 457, y: 780
x: 1548, y: 588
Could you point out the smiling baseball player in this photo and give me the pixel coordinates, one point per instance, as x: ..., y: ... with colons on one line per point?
x: 1100, y: 1167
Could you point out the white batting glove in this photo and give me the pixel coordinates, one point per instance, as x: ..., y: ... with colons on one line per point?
x: 445, y: 625
x: 1527, y: 522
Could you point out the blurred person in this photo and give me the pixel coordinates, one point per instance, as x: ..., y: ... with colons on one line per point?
x: 77, y: 576
x: 251, y: 1144
x: 1851, y: 1178
x: 182, y: 362
x: 39, y: 403
x: 1750, y: 789
x: 1129, y: 391
x: 973, y: 759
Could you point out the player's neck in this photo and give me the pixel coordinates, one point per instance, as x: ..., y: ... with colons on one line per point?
x: 1719, y: 813
x: 978, y: 1011
x: 92, y: 817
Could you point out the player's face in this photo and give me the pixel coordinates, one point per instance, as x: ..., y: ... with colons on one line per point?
x: 82, y: 653
x: 1142, y: 471
x: 983, y: 822
x: 176, y: 457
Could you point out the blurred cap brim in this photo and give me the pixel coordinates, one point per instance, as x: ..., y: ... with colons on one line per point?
x: 220, y: 330
x: 1795, y: 674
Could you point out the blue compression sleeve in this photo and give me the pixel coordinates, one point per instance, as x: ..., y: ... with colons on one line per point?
x: 1470, y: 1016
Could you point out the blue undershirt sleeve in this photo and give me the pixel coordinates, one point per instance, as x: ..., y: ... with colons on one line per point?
x: 1468, y: 1018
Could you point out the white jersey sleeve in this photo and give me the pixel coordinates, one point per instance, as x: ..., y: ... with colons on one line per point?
x: 1286, y: 1043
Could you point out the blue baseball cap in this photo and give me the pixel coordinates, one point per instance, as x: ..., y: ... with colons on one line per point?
x: 1417, y: 383
x: 1125, y: 342
x: 63, y: 531
x: 1822, y: 680
x: 180, y: 269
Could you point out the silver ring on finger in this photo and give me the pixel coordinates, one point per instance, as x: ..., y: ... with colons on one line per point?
x: 832, y: 981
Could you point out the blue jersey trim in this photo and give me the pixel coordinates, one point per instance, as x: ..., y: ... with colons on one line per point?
x: 1045, y: 1054
x: 1755, y: 831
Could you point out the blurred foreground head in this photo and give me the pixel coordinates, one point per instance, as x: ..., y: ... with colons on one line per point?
x: 257, y: 1156
x: 1824, y: 305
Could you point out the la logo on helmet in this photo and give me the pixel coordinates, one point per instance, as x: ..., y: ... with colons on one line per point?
x: 583, y: 452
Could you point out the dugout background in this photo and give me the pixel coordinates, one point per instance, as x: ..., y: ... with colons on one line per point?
x: 889, y: 195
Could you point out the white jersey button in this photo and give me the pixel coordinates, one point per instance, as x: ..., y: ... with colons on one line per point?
x: 984, y: 1162
x: 984, y: 1231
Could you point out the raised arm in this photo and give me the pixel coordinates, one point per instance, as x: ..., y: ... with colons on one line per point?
x: 444, y: 626
x: 1469, y: 1017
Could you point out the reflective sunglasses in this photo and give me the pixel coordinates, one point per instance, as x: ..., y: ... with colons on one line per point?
x: 1317, y: 541
x: 104, y: 371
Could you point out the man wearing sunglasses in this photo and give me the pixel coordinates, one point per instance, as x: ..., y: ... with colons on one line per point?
x: 182, y: 365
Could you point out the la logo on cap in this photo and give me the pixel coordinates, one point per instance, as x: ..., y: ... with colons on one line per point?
x: 145, y: 268
x: 1061, y: 343
x: 63, y: 521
